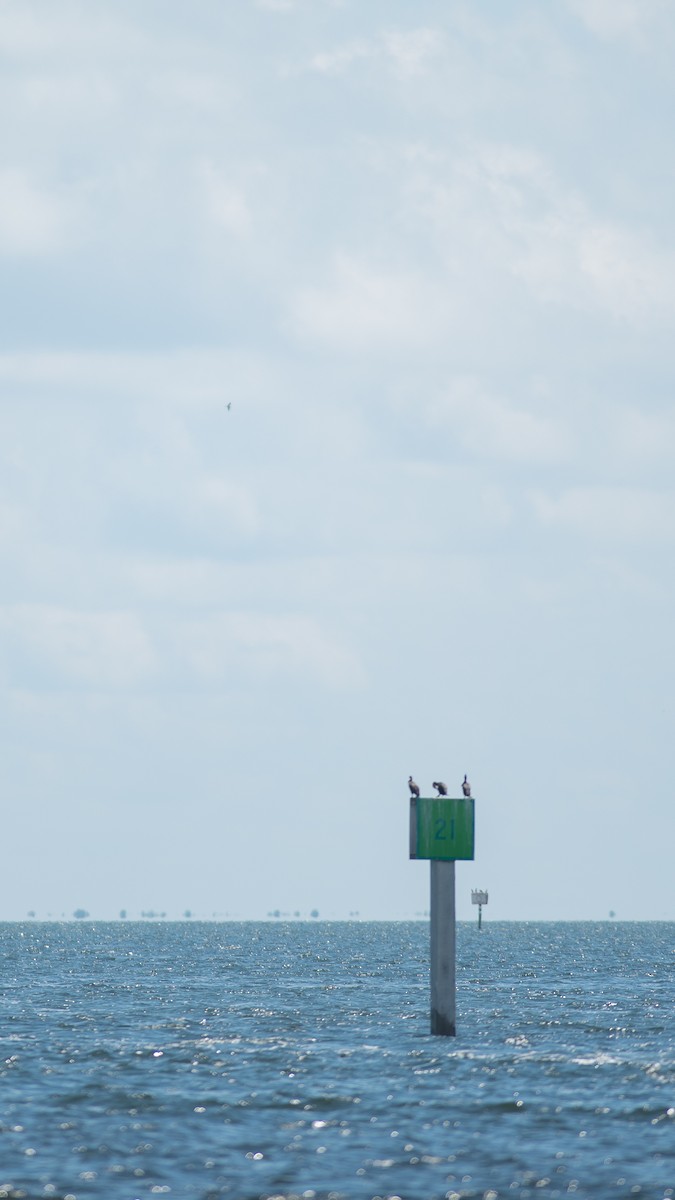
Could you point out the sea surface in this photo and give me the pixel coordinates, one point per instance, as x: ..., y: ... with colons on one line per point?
x: 294, y: 1060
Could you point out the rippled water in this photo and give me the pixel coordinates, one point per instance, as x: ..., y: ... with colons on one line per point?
x: 278, y: 1060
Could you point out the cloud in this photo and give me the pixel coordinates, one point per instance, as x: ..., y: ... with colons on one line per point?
x: 367, y: 306
x: 610, y: 513
x: 57, y: 647
x: 29, y: 31
x: 407, y: 52
x: 491, y: 426
x: 225, y: 202
x: 74, y: 648
x: 641, y: 437
x: 220, y: 646
x: 32, y: 220
x: 280, y: 6
x: 224, y: 502
x: 335, y: 62
x: 620, y: 18
x: 518, y: 219
x: 478, y: 238
x: 175, y: 380
x: 411, y: 50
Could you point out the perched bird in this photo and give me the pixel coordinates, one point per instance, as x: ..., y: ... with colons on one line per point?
x: 414, y: 790
x: 440, y: 788
x: 466, y: 787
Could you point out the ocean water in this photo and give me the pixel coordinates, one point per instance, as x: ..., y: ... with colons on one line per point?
x: 295, y: 1060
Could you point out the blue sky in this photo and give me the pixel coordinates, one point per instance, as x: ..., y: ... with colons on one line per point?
x: 426, y: 255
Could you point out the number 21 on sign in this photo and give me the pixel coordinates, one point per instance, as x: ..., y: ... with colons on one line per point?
x: 441, y: 825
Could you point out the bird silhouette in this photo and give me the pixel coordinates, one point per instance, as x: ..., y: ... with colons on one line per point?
x: 229, y: 406
x: 414, y: 790
x: 466, y: 787
x: 440, y: 788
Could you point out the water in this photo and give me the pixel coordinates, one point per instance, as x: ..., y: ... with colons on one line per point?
x: 294, y: 1060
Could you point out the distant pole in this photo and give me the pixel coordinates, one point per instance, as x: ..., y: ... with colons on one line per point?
x: 442, y: 913
x: 480, y: 898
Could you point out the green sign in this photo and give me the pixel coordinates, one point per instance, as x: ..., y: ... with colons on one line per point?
x: 441, y: 827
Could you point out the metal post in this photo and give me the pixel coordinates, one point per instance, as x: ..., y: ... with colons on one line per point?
x: 479, y: 897
x: 442, y: 947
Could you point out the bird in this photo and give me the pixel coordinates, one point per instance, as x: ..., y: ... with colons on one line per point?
x: 440, y: 788
x: 414, y: 790
x: 466, y: 787
x: 229, y: 406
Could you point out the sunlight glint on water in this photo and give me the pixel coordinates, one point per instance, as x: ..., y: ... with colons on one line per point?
x: 278, y: 1060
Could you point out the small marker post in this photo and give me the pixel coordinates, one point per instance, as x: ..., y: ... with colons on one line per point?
x: 480, y: 898
x: 442, y: 830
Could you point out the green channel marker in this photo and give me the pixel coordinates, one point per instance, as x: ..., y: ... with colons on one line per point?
x: 442, y: 828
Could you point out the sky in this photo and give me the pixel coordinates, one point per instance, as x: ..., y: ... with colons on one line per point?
x: 336, y: 445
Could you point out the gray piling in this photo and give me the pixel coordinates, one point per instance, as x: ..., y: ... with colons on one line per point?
x: 442, y: 913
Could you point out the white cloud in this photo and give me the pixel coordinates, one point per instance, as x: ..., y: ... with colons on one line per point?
x: 407, y: 52
x: 226, y: 503
x: 119, y: 650
x: 225, y: 201
x: 365, y: 306
x: 619, y: 18
x: 202, y: 93
x: 220, y: 645
x: 411, y: 50
x: 335, y: 62
x: 28, y: 31
x: 89, y: 97
x: 32, y: 220
x: 501, y: 210
x: 276, y: 5
x: 177, y: 380
x: 642, y: 437
x: 573, y: 257
x: 15, y: 525
x: 492, y: 427
x: 99, y: 649
x: 613, y: 513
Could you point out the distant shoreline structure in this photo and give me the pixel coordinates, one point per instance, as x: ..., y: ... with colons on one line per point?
x: 304, y: 919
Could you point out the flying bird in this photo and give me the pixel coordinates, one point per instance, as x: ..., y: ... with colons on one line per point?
x: 414, y: 790
x: 440, y: 788
x: 466, y: 787
x: 229, y: 406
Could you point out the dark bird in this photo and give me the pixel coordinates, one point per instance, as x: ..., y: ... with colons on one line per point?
x: 229, y: 406
x: 440, y: 788
x: 466, y: 787
x: 414, y: 790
